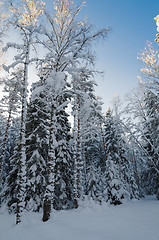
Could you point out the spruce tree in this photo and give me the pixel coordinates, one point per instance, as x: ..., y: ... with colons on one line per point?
x: 64, y: 163
x: 36, y: 148
x: 116, y: 189
x: 10, y: 169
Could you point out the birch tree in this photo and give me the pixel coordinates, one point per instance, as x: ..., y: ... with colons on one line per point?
x: 157, y: 23
x: 24, y: 19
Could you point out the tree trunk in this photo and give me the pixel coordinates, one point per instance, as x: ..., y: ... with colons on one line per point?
x: 135, y: 168
x: 22, y: 151
x: 103, y: 140
x: 49, y: 192
x: 75, y: 162
x: 77, y: 156
x: 46, y: 209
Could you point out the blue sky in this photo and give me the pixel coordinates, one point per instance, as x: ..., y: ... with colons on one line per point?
x: 132, y: 23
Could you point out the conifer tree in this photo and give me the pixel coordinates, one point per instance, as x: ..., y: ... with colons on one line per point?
x: 10, y: 103
x: 10, y: 169
x: 58, y: 154
x: 116, y: 189
x: 36, y: 148
x: 92, y: 154
x: 64, y: 163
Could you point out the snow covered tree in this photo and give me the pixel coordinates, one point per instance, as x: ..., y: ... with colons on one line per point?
x: 157, y: 23
x: 38, y: 132
x: 37, y: 125
x: 86, y: 126
x: 93, y: 150
x: 2, y: 131
x: 67, y: 41
x: 150, y: 122
x: 94, y: 176
x: 126, y: 166
x: 64, y: 163
x: 24, y: 20
x: 116, y: 177
x: 10, y: 167
x: 150, y: 139
x: 58, y: 153
x: 10, y: 103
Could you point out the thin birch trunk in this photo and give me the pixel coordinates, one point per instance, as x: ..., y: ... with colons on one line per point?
x: 22, y: 151
x: 103, y: 140
x: 75, y: 162
x: 135, y: 168
x: 79, y: 150
x: 77, y: 155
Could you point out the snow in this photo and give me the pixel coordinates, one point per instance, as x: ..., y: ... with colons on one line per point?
x: 56, y: 80
x: 134, y: 220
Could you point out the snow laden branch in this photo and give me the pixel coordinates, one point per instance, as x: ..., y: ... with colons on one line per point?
x: 133, y: 136
x: 68, y: 40
x: 157, y: 23
x: 27, y: 12
x: 150, y: 59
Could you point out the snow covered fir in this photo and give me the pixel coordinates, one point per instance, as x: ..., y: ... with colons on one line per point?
x: 60, y: 155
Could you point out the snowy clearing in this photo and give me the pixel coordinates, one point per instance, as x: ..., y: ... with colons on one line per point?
x: 135, y: 220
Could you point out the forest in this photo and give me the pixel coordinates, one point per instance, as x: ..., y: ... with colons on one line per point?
x: 57, y: 147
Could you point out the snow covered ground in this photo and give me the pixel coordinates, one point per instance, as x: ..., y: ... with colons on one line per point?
x: 135, y: 220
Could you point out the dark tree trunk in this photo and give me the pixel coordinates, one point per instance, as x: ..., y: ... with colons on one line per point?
x: 49, y: 192
x: 46, y: 209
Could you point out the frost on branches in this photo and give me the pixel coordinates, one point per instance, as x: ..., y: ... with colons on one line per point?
x: 157, y: 23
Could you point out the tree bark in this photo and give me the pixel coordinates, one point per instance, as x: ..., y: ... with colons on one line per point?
x: 49, y: 192
x: 22, y: 151
x: 103, y: 140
